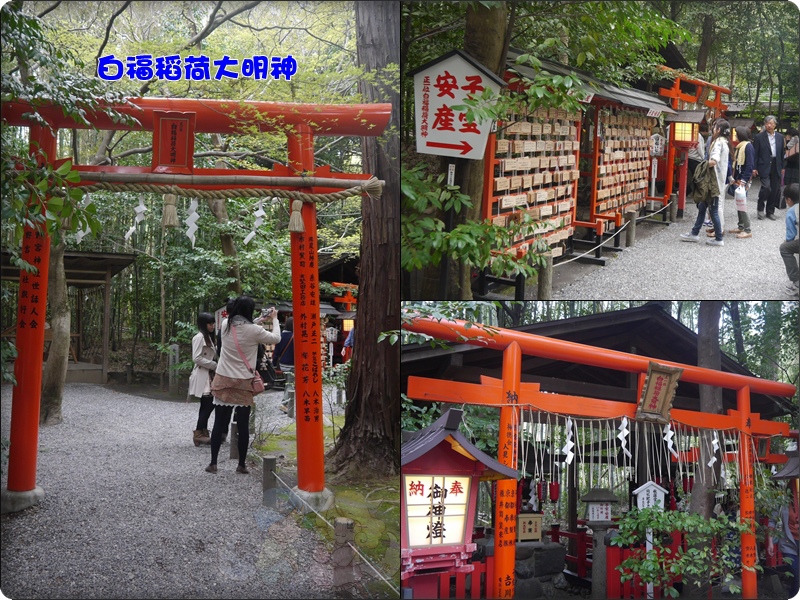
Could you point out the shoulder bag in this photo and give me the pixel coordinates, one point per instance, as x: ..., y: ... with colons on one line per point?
x: 258, y: 383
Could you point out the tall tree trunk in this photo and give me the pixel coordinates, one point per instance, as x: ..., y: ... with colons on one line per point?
x: 220, y: 210
x: 54, y: 372
x: 484, y: 39
x: 709, y: 357
x: 738, y: 338
x: 771, y: 350
x: 369, y: 442
x: 706, y: 39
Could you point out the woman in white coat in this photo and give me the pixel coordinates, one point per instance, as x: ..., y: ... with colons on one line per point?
x: 232, y: 385
x: 205, y: 362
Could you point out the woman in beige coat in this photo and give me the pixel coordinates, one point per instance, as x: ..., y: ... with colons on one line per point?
x: 232, y: 385
x: 205, y: 361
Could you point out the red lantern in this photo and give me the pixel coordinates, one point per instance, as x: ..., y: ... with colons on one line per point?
x: 541, y: 491
x: 686, y: 487
x: 554, y: 491
x: 673, y: 504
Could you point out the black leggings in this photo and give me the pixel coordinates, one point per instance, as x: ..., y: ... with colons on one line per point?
x: 222, y: 416
x: 206, y: 408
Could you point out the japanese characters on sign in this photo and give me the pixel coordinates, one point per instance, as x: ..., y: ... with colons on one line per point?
x: 655, y: 403
x: 308, y: 331
x: 529, y: 527
x: 437, y: 509
x: 650, y: 494
x: 141, y: 67
x: 33, y: 289
x: 438, y: 87
x: 173, y: 142
x: 599, y: 511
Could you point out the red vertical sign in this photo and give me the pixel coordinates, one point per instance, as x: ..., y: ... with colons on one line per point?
x: 307, y: 340
x: 31, y: 311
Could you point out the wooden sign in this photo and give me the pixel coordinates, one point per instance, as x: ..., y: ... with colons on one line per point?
x: 173, y: 142
x: 655, y: 403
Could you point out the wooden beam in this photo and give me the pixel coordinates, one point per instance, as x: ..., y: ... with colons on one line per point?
x: 488, y: 393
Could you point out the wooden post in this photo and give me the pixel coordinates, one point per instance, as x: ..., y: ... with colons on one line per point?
x: 505, y: 535
x: 343, y: 568
x: 269, y: 482
x: 630, y: 231
x: 307, y: 350
x: 545, y: 282
x: 106, y: 323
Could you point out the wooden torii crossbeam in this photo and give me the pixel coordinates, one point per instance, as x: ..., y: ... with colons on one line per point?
x: 174, y: 122
x: 510, y: 391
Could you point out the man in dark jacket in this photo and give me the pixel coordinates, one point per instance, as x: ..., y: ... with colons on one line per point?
x: 769, y: 167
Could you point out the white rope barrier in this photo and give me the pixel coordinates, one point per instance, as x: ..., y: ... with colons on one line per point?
x: 364, y: 558
x: 565, y: 262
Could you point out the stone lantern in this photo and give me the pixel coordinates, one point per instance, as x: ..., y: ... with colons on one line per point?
x: 599, y: 501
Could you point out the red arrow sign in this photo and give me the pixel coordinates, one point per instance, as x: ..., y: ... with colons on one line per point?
x: 463, y: 146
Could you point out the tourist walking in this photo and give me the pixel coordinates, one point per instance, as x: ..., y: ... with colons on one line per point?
x: 696, y: 156
x: 743, y: 163
x: 791, y: 246
x: 712, y: 187
x: 791, y: 164
x: 233, y: 383
x: 205, y: 361
x: 768, y: 145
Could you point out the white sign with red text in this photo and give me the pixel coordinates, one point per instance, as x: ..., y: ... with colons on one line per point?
x: 440, y: 129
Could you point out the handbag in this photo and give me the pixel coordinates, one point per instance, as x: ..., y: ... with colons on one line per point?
x: 258, y: 383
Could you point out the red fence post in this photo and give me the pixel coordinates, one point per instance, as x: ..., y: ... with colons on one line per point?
x: 613, y: 560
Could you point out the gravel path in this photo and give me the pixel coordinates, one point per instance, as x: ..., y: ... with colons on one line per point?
x: 662, y: 267
x: 129, y: 511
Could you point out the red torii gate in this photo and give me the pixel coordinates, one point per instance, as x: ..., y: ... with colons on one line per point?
x: 174, y: 122
x: 510, y: 391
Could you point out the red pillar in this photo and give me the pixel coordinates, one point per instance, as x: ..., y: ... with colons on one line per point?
x: 305, y: 308
x: 505, y: 535
x: 31, y: 310
x: 747, y: 495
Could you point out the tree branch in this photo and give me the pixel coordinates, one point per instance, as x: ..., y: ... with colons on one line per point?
x: 213, y: 23
x: 108, y: 30
x: 47, y: 10
x: 282, y: 27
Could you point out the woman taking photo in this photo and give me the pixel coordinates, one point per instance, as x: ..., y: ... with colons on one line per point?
x: 233, y: 383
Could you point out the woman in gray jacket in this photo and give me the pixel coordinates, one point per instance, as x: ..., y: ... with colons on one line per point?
x: 232, y: 385
x: 205, y: 361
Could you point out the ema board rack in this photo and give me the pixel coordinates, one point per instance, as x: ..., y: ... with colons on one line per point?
x: 532, y: 168
x: 620, y: 163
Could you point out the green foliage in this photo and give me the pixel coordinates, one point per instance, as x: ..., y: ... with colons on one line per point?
x: 426, y: 241
x: 34, y: 193
x: 662, y: 564
x: 414, y: 417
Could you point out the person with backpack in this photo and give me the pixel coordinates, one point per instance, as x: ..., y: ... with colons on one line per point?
x: 709, y: 180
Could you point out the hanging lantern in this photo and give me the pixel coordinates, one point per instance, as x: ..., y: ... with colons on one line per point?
x: 554, y: 491
x: 673, y: 503
x: 541, y: 491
